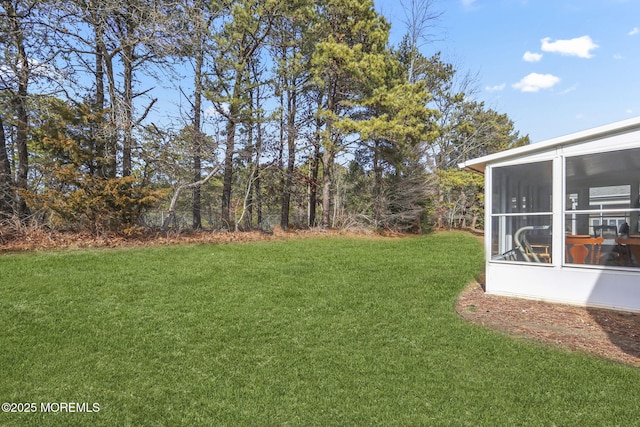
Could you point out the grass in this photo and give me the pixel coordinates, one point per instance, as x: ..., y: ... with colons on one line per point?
x: 310, y: 332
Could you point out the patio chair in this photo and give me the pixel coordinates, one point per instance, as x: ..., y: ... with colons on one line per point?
x: 531, y: 253
x: 629, y: 250
x: 583, y: 250
x: 612, y: 252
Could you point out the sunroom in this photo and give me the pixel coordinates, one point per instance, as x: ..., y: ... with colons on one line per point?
x: 562, y: 218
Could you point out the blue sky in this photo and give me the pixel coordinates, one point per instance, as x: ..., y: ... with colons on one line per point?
x: 553, y: 66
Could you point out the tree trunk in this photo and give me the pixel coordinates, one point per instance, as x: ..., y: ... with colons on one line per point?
x: 284, y: 210
x: 327, y: 178
x: 22, y: 115
x: 196, y: 202
x: 6, y: 181
x: 228, y: 174
x: 313, y: 184
x: 197, y: 142
x: 247, y: 207
x: 474, y: 221
x: 257, y: 199
x: 101, y: 168
x: 291, y: 158
x: 127, y: 142
x: 227, y: 180
x: 111, y: 150
x: 97, y: 106
x: 378, y: 202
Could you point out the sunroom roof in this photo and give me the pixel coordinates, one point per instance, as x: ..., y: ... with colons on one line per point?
x: 478, y: 164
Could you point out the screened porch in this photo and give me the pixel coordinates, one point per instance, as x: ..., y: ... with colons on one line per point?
x: 600, y: 210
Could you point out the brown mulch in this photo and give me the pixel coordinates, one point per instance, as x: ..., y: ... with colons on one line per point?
x: 605, y: 333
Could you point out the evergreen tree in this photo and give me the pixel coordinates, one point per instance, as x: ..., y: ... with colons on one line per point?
x: 348, y: 59
x: 238, y: 45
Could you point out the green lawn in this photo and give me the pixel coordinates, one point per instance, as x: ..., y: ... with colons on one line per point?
x: 348, y: 332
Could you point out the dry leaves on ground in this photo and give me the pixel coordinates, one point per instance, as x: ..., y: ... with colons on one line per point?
x: 33, y: 239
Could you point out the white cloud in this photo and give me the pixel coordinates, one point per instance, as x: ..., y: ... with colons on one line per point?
x: 531, y: 56
x: 37, y: 69
x: 469, y: 5
x: 496, y: 88
x: 617, y: 56
x: 636, y: 30
x: 580, y: 46
x: 628, y: 111
x: 569, y: 90
x: 535, y: 82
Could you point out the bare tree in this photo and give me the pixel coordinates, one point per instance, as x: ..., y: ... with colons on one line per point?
x: 25, y: 53
x: 127, y: 38
x: 421, y: 17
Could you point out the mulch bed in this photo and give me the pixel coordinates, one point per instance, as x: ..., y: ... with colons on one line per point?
x: 605, y: 333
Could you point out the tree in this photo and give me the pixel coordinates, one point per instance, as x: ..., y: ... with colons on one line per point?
x: 174, y: 199
x: 420, y: 18
x: 315, y: 159
x: 126, y: 39
x: 299, y: 88
x: 166, y: 159
x: 255, y: 148
x: 348, y: 59
x: 407, y: 196
x: 399, y: 123
x: 238, y: 44
x: 460, y: 199
x: 292, y: 49
x: 18, y: 18
x: 196, y: 45
x: 87, y: 53
x: 480, y: 131
x: 70, y: 194
x: 465, y: 129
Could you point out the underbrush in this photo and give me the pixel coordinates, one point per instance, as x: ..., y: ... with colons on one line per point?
x: 24, y: 238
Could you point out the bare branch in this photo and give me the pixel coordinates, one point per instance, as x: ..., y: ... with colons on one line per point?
x: 174, y: 199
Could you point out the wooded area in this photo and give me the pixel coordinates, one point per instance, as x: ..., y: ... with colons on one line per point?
x: 298, y: 113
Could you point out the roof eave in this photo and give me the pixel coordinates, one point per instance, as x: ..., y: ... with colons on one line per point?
x: 478, y: 165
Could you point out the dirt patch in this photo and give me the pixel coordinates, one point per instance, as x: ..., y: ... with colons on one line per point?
x: 605, y: 333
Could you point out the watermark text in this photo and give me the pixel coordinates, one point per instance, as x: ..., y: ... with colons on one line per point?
x: 53, y: 407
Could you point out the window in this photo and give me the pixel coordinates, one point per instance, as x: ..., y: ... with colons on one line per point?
x: 603, y: 192
x: 521, y: 212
